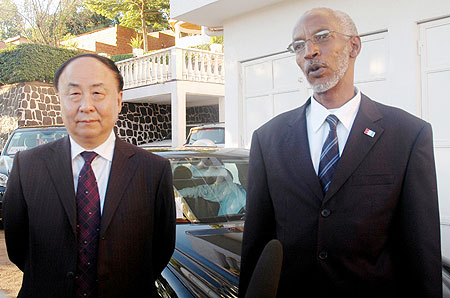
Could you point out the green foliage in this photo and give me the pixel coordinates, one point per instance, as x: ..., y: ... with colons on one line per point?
x: 11, y: 23
x: 204, y: 46
x: 31, y: 62
x: 136, y: 42
x: 207, y: 46
x: 85, y: 20
x: 47, y: 19
x: 217, y: 39
x: 130, y: 13
x: 116, y: 58
x: 69, y: 42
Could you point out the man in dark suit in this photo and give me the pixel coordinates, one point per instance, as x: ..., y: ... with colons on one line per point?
x: 89, y: 215
x: 346, y: 184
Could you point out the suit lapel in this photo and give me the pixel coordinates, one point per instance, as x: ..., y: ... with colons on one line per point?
x: 298, y: 139
x: 122, y: 170
x: 59, y: 166
x: 358, y: 143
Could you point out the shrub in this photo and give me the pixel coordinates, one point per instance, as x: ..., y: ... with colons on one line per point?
x: 204, y: 46
x: 31, y: 62
x: 120, y: 57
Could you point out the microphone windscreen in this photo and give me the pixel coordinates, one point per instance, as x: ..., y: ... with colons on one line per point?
x: 265, y: 278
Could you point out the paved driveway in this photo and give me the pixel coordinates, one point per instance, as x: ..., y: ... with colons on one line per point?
x: 10, y: 276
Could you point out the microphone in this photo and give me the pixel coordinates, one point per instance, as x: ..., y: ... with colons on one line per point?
x: 265, y: 278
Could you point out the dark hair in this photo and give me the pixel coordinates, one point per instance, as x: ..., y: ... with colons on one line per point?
x: 107, y: 62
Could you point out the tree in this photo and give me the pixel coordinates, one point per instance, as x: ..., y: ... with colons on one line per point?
x: 47, y: 19
x: 140, y: 15
x: 85, y: 20
x: 11, y: 23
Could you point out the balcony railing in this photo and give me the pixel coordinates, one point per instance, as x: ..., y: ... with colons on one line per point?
x: 171, y: 64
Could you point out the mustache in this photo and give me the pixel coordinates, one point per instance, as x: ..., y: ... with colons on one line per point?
x: 314, y: 64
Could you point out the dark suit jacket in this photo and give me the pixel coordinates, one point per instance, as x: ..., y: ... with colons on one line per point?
x: 137, y: 236
x: 376, y: 231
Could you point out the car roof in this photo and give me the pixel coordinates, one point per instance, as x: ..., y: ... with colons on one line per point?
x: 212, y: 125
x: 41, y: 127
x: 199, y: 152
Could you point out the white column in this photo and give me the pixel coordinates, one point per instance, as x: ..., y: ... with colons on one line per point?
x: 178, y: 109
x: 221, y: 109
x: 176, y: 63
x: 177, y: 32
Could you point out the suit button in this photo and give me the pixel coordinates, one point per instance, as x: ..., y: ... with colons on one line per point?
x: 325, y: 213
x: 323, y: 255
x: 70, y: 275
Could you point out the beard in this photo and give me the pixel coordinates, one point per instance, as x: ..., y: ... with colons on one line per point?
x: 341, y: 68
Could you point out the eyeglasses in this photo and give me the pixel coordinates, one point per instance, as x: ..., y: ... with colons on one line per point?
x: 298, y: 46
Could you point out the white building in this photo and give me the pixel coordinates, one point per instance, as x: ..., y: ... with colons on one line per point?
x: 404, y: 62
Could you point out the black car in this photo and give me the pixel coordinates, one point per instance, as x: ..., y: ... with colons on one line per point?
x: 209, y: 186
x: 21, y: 139
x: 207, y: 257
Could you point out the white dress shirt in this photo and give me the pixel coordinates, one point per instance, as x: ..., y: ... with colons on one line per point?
x: 101, y: 165
x: 318, y: 128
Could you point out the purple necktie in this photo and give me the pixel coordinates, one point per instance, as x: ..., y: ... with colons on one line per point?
x: 88, y: 208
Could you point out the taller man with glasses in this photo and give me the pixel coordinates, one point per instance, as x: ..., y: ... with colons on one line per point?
x: 346, y: 184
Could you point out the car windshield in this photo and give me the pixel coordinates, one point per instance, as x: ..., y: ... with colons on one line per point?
x: 216, y: 134
x: 210, y: 189
x: 22, y: 140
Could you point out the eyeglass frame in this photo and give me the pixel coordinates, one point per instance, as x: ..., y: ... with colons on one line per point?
x: 290, y: 47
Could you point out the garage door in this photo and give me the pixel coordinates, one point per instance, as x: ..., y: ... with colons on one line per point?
x: 371, y: 67
x: 271, y: 85
x: 275, y: 84
x: 434, y: 50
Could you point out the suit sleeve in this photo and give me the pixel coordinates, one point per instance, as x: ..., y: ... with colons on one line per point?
x: 165, y: 219
x: 419, y: 227
x: 15, y: 217
x: 259, y: 223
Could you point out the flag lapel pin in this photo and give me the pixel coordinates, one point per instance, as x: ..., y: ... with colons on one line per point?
x: 369, y: 132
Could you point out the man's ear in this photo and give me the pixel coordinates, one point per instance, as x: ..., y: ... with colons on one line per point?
x: 356, y: 46
x: 119, y: 100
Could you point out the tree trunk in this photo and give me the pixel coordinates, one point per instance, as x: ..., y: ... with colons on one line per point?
x: 144, y: 27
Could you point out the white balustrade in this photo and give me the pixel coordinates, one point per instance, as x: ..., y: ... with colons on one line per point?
x: 174, y: 63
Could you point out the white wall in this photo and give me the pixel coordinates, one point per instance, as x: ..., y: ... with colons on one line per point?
x: 268, y: 30
x: 87, y: 41
x: 399, y: 26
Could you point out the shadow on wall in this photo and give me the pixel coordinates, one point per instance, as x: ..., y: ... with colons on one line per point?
x: 141, y: 123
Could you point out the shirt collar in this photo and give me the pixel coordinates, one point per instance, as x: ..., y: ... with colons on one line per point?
x: 105, y: 150
x: 345, y: 114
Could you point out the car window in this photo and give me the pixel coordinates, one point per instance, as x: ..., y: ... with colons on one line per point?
x: 210, y: 189
x: 216, y: 134
x: 22, y: 140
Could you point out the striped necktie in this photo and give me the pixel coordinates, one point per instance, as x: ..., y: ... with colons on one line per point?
x: 330, y: 154
x: 88, y: 211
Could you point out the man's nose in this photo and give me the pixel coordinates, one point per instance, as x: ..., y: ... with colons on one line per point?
x: 311, y: 50
x: 87, y: 104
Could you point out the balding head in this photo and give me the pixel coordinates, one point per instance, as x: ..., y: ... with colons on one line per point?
x: 326, y: 44
x: 343, y: 21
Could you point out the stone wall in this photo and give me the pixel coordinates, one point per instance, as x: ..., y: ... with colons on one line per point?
x: 27, y: 104
x: 36, y: 103
x: 202, y: 114
x: 141, y: 123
